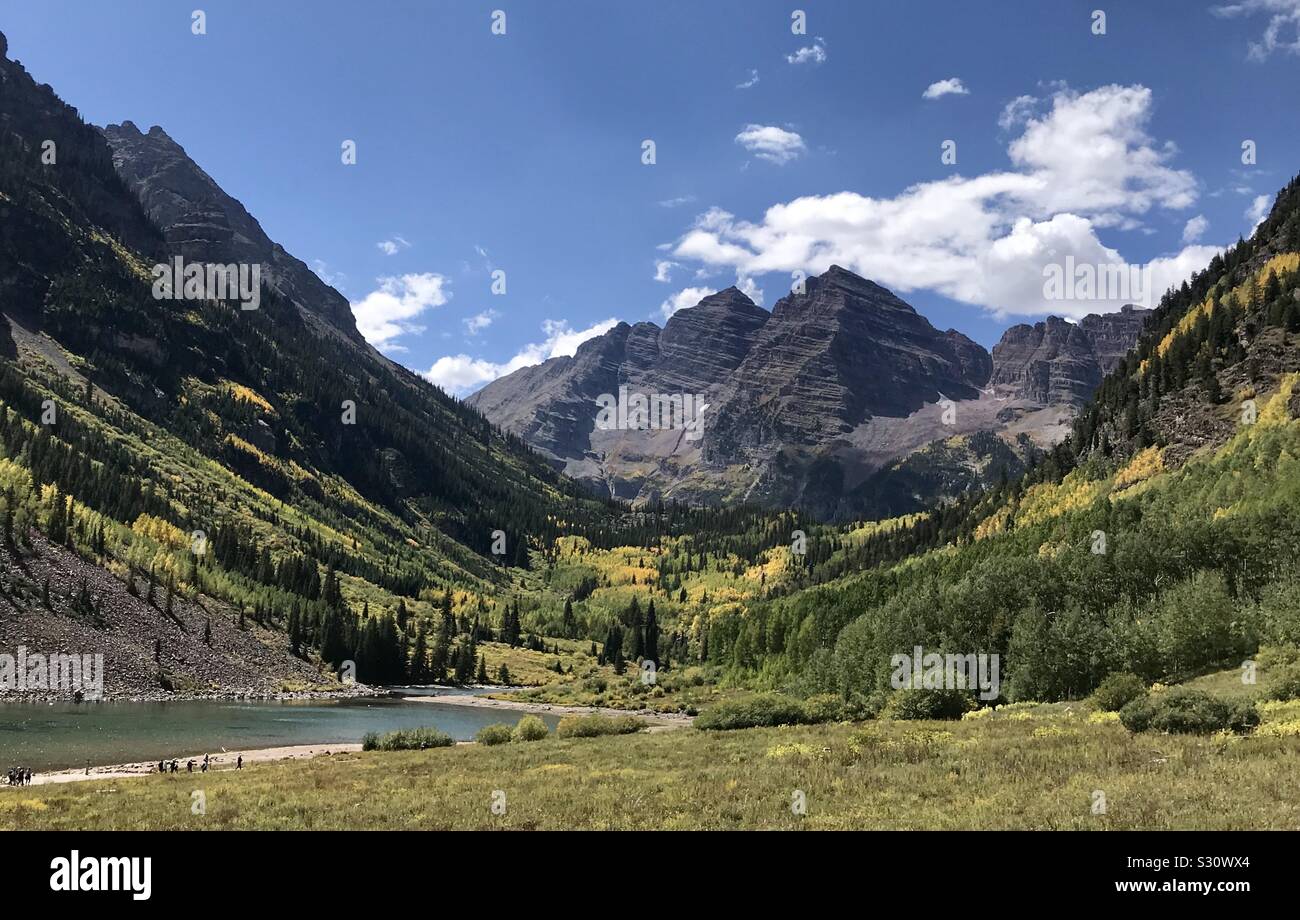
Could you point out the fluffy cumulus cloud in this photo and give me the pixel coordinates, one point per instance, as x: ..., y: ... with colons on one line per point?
x: 1195, y: 228
x: 768, y: 142
x: 461, y: 374
x: 479, y: 321
x: 1258, y: 210
x: 687, y: 297
x: 751, y: 80
x: 393, y: 246
x: 1282, y: 33
x: 949, y: 87
x: 1080, y: 163
x: 809, y: 54
x: 392, y: 310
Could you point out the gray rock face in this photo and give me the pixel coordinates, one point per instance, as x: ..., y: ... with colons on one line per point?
x: 554, y: 404
x: 1061, y: 363
x: 830, y: 359
x: 202, y: 223
x: 785, y: 390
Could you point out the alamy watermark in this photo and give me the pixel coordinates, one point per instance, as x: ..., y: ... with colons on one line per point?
x: 1103, y: 281
x: 934, y: 671
x: 652, y: 412
x: 59, y: 673
x: 181, y: 280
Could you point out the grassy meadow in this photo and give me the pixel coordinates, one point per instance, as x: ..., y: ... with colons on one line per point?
x: 1024, y: 766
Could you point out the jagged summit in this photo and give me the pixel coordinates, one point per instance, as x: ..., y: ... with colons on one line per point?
x: 1059, y: 362
x: 832, y: 363
x: 202, y: 223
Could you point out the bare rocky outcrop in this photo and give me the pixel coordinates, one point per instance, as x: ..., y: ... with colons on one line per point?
x: 202, y: 223
x: 1057, y: 362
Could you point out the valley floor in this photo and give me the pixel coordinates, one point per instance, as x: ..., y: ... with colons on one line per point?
x: 1041, y: 767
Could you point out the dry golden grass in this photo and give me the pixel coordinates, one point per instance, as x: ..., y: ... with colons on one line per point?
x: 1030, y: 767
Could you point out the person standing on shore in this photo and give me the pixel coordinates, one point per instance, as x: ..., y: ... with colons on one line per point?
x: 239, y: 762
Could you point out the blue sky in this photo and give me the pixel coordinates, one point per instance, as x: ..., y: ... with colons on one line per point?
x: 775, y: 152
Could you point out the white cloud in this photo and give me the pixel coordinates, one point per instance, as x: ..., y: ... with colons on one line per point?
x: 386, y: 313
x: 1195, y: 228
x: 479, y: 321
x: 663, y: 270
x: 768, y: 142
x: 1258, y: 210
x: 811, y: 54
x: 1083, y: 165
x: 676, y: 202
x: 461, y: 374
x: 949, y: 87
x: 750, y: 289
x: 751, y: 81
x: 393, y: 246
x: 1017, y: 112
x: 687, y: 297
x: 1281, y: 33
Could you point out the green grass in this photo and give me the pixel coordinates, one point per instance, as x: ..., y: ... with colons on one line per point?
x: 1022, y: 767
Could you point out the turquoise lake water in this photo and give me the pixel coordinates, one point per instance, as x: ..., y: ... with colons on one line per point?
x: 64, y: 735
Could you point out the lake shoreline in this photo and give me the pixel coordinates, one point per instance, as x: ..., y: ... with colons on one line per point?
x: 226, y: 759
x: 222, y: 762
x: 659, y: 719
x: 357, y: 691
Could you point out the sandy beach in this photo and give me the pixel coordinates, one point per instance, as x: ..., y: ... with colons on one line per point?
x: 655, y: 721
x: 223, y: 761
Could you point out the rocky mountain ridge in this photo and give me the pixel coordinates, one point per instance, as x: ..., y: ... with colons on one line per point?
x: 807, y: 403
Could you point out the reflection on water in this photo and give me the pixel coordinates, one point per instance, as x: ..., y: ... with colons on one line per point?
x: 56, y: 736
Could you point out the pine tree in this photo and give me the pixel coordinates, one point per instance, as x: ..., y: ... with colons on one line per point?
x: 651, y: 645
x: 419, y: 656
x: 570, y: 626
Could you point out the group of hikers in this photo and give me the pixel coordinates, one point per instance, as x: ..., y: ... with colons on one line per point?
x: 22, y: 776
x: 174, y: 766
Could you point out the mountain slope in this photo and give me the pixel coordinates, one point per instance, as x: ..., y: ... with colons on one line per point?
x: 327, y: 482
x: 200, y: 222
x: 1161, y: 539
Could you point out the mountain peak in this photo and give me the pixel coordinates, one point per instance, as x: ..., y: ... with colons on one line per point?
x: 732, y: 298
x: 202, y: 222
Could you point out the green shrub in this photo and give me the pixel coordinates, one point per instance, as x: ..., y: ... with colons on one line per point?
x: 496, y: 733
x: 825, y: 707
x: 1117, y: 690
x: 530, y: 728
x: 927, y: 704
x: 1285, y: 685
x: 1188, y: 712
x: 406, y: 739
x: 591, y: 726
x: 766, y: 709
